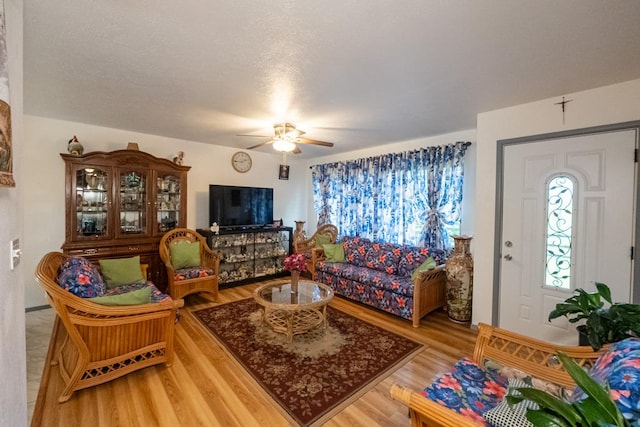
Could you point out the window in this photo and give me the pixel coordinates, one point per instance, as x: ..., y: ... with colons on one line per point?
x: 414, y: 197
x: 559, y: 239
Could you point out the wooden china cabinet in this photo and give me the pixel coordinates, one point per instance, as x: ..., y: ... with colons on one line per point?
x: 120, y: 203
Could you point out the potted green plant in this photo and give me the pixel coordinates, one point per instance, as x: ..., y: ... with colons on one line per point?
x: 603, y: 324
x: 597, y: 409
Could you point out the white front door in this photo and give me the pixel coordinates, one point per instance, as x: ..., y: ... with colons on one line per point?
x: 567, y: 213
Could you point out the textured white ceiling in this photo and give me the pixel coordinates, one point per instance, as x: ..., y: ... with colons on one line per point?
x: 355, y: 72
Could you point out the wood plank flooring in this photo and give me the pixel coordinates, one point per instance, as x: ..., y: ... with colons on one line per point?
x: 204, y: 387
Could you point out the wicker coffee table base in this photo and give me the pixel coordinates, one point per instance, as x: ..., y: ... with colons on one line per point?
x: 294, y: 322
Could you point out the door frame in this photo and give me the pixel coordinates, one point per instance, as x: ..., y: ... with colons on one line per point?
x: 501, y: 145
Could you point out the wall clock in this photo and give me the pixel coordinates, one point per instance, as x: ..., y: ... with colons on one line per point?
x: 241, y: 162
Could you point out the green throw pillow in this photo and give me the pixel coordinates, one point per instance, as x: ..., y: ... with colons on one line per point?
x: 185, y: 254
x: 333, y: 253
x: 121, y: 271
x: 141, y: 296
x: 322, y: 239
x: 427, y: 265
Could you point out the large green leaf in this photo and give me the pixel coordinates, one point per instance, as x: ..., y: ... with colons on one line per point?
x: 597, y: 330
x: 604, y: 408
x: 544, y: 419
x: 565, y: 308
x: 563, y: 409
x: 604, y: 292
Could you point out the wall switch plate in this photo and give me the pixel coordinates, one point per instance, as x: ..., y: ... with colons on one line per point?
x: 14, y: 253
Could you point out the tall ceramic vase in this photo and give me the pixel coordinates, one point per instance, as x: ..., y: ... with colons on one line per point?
x: 298, y: 234
x: 295, y: 276
x: 459, y: 269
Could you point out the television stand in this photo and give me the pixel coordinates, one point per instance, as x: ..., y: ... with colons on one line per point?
x: 250, y: 253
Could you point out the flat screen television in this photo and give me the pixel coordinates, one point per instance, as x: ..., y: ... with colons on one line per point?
x: 240, y: 206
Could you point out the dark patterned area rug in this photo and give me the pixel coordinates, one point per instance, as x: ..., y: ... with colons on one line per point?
x: 318, y: 374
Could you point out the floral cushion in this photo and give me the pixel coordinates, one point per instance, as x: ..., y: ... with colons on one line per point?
x: 383, y: 257
x: 156, y: 295
x: 78, y: 276
x: 193, y: 273
x: 355, y: 250
x: 410, y: 259
x: 618, y: 350
x: 513, y: 373
x: 620, y: 368
x: 468, y: 389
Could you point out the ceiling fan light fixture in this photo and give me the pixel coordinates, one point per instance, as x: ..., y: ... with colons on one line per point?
x: 285, y: 145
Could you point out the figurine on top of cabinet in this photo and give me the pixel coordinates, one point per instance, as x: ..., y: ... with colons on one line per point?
x: 179, y: 158
x: 74, y: 147
x: 215, y: 228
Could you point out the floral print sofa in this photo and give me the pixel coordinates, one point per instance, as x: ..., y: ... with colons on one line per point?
x: 380, y: 275
x: 472, y: 393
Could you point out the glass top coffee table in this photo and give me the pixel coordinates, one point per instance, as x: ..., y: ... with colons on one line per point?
x: 293, y: 313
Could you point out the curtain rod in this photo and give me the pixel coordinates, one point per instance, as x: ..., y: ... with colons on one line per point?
x: 465, y: 144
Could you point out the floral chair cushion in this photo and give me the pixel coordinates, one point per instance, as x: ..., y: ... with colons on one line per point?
x: 78, y: 276
x: 513, y: 373
x: 506, y: 415
x: 156, y: 295
x: 193, y: 273
x: 468, y: 389
x: 620, y: 368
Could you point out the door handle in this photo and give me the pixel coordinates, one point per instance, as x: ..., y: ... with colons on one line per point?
x: 508, y: 257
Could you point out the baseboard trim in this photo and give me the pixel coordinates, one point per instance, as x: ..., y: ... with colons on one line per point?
x: 37, y: 308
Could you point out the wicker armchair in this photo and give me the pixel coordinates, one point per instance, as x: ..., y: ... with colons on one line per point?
x: 311, y: 251
x: 203, y: 278
x: 102, y: 343
x: 531, y: 356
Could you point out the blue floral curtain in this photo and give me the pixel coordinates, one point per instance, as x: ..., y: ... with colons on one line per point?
x: 410, y: 197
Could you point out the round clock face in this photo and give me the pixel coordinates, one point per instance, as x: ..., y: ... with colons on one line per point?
x: 241, y: 161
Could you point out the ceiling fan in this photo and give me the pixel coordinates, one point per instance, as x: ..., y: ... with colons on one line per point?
x: 286, y: 137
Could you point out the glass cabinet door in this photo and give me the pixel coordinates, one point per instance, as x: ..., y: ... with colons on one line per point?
x: 168, y: 204
x: 133, y: 202
x: 92, y: 202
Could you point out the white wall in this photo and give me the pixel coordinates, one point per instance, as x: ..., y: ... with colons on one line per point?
x: 606, y: 105
x: 44, y: 181
x: 398, y: 147
x: 13, y: 392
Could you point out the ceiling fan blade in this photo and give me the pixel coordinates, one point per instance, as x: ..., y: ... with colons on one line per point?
x: 296, y: 150
x: 314, y: 142
x: 270, y: 141
x: 255, y: 136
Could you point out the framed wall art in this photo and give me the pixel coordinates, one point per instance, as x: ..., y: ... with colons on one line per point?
x: 284, y: 172
x: 6, y: 148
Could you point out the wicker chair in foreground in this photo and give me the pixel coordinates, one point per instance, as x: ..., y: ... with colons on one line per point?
x: 312, y: 247
x: 517, y: 354
x: 102, y: 342
x: 191, y: 266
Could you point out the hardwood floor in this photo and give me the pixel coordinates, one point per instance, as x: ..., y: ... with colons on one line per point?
x: 204, y: 387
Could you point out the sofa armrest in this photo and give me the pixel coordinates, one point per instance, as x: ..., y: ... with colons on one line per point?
x: 429, y: 292
x: 434, y: 274
x: 426, y: 412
